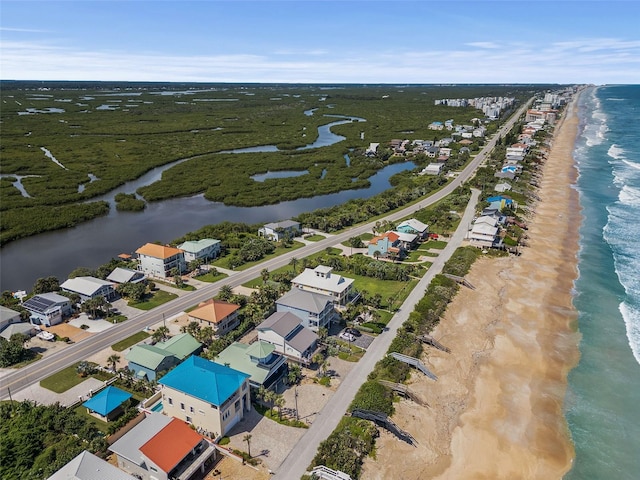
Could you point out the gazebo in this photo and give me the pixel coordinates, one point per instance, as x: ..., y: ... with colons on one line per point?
x: 107, y: 404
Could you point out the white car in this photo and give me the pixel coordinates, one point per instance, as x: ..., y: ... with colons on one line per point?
x: 347, y: 336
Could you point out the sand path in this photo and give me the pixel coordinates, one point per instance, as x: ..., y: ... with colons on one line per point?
x: 497, y: 408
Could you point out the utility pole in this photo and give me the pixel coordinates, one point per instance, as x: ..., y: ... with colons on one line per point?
x: 295, y: 396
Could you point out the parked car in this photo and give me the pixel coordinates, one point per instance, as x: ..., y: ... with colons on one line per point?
x: 347, y: 336
x: 353, y: 331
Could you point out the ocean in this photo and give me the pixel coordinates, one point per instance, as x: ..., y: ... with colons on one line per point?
x: 603, y: 397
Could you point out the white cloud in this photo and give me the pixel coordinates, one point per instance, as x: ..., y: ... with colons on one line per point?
x: 483, y: 45
x: 579, y: 61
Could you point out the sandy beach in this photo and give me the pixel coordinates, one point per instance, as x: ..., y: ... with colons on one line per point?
x: 496, y: 410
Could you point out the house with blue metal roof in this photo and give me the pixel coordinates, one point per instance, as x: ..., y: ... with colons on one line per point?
x: 210, y: 396
x: 108, y: 403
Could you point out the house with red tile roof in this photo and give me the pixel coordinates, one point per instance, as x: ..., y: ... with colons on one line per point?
x: 219, y: 315
x: 162, y: 448
x: 385, y: 245
x: 159, y: 260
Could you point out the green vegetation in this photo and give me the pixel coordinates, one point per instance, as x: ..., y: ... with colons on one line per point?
x: 153, y: 300
x: 129, y: 342
x: 211, y: 277
x: 13, y: 351
x: 69, y: 377
x: 109, y: 147
x: 129, y: 202
x: 37, y: 440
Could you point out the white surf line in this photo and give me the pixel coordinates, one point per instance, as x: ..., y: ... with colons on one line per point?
x: 53, y: 159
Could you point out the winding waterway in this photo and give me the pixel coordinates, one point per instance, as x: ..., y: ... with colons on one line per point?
x: 95, y: 242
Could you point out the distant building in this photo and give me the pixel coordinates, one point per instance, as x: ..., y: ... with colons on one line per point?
x: 278, y: 230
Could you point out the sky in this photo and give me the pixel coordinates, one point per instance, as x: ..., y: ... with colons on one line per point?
x: 324, y: 41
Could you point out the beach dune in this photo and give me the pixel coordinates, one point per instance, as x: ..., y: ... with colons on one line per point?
x: 497, y: 408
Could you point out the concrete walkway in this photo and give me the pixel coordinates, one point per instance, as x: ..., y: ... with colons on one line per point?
x: 296, y: 463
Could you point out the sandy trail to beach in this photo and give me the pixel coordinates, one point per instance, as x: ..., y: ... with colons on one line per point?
x: 496, y: 410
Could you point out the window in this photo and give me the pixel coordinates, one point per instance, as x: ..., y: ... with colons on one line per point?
x: 191, y: 409
x: 170, y: 401
x: 244, y: 386
x: 181, y: 406
x: 237, y: 405
x: 189, y: 419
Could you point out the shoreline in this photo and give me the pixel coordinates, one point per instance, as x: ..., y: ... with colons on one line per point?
x: 497, y: 410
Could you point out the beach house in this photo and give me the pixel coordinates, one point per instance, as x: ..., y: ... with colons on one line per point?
x: 219, y: 315
x: 279, y: 230
x: 414, y: 226
x: 386, y: 245
x: 48, y: 309
x: 89, y: 287
x: 205, y: 249
x: 260, y: 360
x: 160, y: 260
x: 162, y: 448
x: 322, y: 280
x: 147, y: 361
x: 315, y: 310
x: 210, y: 396
x: 290, y: 338
x: 87, y: 466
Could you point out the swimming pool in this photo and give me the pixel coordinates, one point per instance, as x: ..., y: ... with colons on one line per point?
x: 157, y: 407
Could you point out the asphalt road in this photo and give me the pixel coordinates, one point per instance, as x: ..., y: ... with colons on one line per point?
x: 36, y: 371
x: 299, y: 459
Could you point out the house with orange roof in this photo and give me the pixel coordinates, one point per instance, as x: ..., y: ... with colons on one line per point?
x: 159, y: 260
x: 162, y: 448
x: 386, y: 245
x: 219, y: 315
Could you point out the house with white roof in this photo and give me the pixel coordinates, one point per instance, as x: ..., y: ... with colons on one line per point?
x: 322, y: 280
x: 278, y: 230
x: 126, y: 275
x: 315, y: 310
x: 205, y: 249
x: 415, y: 226
x: 162, y: 448
x: 484, y: 232
x: 87, y: 466
x: 89, y: 287
x: 289, y: 336
x: 432, y: 169
x: 48, y: 309
x: 159, y: 260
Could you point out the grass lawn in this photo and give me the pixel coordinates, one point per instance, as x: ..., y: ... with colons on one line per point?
x: 314, y: 238
x: 68, y: 378
x: 223, y: 262
x: 211, y: 277
x: 156, y: 298
x: 438, y: 244
x: 99, y: 424
x: 415, y: 255
x: 130, y: 341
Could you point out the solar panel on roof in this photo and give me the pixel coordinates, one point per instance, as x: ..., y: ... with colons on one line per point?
x: 38, y: 304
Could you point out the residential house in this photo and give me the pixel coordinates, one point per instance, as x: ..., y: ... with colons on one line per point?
x: 160, y: 260
x: 503, y: 202
x: 23, y: 328
x: 89, y: 287
x: 259, y: 360
x: 289, y: 336
x: 221, y: 316
x: 162, y: 448
x: 107, y: 404
x: 205, y: 249
x: 315, y: 310
x: 432, y: 169
x: 432, y: 152
x: 126, y: 275
x: 279, y: 230
x: 435, y: 126
x: 322, y: 280
x: 87, y: 466
x: 407, y: 241
x: 444, y: 142
x: 48, y: 309
x: 445, y: 152
x: 7, y: 317
x: 484, y: 232
x: 414, y: 226
x: 502, y: 187
x: 386, y: 245
x: 210, y: 396
x: 372, y: 150
x: 147, y: 361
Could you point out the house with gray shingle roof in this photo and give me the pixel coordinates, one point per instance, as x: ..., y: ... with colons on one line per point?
x: 87, y: 466
x: 289, y: 336
x: 314, y: 310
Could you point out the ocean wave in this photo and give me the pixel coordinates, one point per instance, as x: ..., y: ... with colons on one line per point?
x: 629, y: 196
x: 631, y: 164
x: 631, y: 318
x: 616, y: 152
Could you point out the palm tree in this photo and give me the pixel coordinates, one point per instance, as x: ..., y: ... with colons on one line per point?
x: 247, y: 438
x: 113, y: 361
x: 161, y: 333
x: 225, y: 292
x: 264, y: 273
x: 293, y: 262
x: 279, y: 401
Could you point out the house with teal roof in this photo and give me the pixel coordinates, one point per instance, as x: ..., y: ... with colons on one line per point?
x: 108, y: 403
x: 208, y: 395
x: 259, y: 360
x: 146, y: 361
x: 204, y: 249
